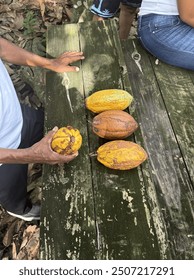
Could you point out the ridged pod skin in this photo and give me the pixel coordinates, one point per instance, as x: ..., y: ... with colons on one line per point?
x: 121, y: 155
x: 114, y: 124
x: 66, y: 141
x: 108, y: 99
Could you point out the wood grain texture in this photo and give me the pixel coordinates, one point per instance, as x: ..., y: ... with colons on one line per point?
x: 178, y: 93
x: 68, y: 222
x: 124, y: 231
x: 89, y: 211
x: 155, y: 92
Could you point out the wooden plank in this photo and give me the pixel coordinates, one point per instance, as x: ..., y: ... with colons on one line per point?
x: 124, y: 224
x: 178, y: 93
x: 98, y: 213
x: 67, y: 218
x: 171, y: 189
x: 112, y: 220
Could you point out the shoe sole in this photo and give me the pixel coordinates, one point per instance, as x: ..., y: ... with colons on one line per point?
x: 28, y: 219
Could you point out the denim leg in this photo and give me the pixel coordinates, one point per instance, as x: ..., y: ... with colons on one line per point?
x: 168, y: 38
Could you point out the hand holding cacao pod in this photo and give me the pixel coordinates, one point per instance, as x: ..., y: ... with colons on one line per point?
x: 66, y: 141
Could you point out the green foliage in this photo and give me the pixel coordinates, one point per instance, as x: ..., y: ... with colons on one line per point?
x: 30, y: 23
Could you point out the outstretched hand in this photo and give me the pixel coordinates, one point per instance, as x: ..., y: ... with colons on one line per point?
x: 62, y: 63
x: 42, y: 152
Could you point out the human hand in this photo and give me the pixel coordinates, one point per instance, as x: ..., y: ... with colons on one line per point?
x: 41, y: 151
x: 61, y: 63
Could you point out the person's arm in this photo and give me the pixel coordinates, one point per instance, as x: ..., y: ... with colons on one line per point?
x: 40, y: 152
x: 11, y: 53
x: 186, y: 11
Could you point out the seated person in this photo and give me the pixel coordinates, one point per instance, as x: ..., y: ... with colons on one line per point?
x: 166, y: 30
x: 104, y: 9
x: 21, y: 131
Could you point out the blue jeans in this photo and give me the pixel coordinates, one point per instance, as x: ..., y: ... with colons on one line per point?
x: 107, y: 8
x: 168, y: 38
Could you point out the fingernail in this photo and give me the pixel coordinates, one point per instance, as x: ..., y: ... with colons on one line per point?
x: 55, y: 128
x: 77, y: 69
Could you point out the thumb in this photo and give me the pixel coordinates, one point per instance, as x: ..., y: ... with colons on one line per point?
x: 55, y: 129
x: 51, y: 133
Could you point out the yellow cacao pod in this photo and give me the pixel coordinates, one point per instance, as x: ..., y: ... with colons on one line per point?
x: 108, y: 99
x: 114, y: 124
x: 121, y: 155
x: 66, y: 141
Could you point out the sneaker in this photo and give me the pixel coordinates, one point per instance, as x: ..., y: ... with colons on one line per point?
x: 33, y: 214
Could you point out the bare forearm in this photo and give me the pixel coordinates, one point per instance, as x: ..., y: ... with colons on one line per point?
x: 186, y: 11
x: 188, y: 20
x: 15, y: 156
x: 16, y: 55
x: 40, y: 152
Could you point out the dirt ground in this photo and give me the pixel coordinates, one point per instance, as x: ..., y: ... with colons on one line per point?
x: 24, y: 22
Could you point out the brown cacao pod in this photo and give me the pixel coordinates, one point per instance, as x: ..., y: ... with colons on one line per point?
x: 66, y: 141
x: 121, y: 154
x: 114, y: 124
x: 108, y: 99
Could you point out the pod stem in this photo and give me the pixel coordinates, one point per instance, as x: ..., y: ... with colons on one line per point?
x: 93, y: 154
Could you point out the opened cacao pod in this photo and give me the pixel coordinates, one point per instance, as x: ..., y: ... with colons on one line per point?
x: 121, y: 155
x: 66, y: 141
x: 114, y: 124
x: 108, y: 99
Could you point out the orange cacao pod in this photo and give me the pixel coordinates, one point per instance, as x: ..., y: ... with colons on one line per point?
x: 121, y: 154
x: 114, y: 124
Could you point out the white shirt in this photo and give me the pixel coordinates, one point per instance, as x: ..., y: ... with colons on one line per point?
x: 164, y: 7
x: 11, y: 120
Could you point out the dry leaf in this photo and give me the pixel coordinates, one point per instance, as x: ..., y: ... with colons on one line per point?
x: 18, y: 23
x: 29, y: 248
x: 42, y: 7
x: 11, y: 231
x: 14, y: 251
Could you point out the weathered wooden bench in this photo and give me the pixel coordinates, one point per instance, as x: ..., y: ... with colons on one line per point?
x: 92, y: 212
